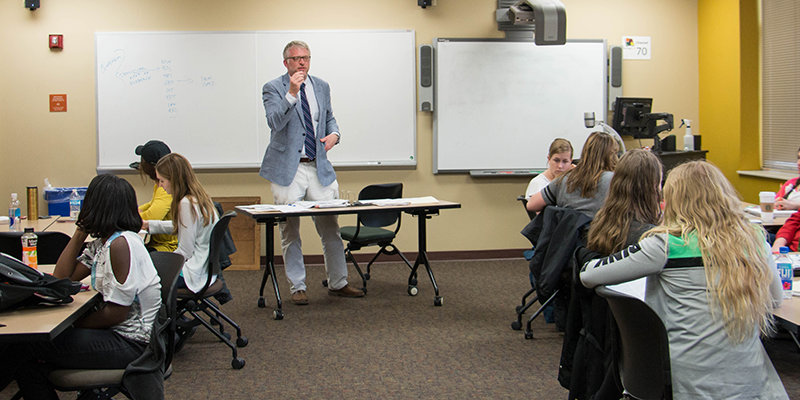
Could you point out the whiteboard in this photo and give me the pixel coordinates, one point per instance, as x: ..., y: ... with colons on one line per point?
x: 200, y: 92
x: 499, y: 104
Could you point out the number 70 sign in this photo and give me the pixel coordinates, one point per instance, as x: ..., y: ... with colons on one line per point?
x: 636, y: 47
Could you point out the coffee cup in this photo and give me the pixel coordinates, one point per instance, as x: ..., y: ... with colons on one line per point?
x: 767, y: 202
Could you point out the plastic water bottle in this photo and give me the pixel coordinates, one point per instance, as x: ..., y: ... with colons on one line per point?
x: 785, y: 271
x: 74, y: 205
x: 13, y: 213
x: 29, y: 250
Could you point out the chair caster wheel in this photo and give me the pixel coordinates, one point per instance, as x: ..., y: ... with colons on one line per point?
x: 325, y: 283
x: 237, y: 363
x: 261, y: 302
x: 366, y: 276
x: 241, y: 341
x: 412, y: 290
x: 438, y: 300
x: 277, y: 315
x: 516, y: 325
x: 528, y: 335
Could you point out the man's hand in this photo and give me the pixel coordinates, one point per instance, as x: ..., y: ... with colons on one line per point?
x: 295, y: 81
x: 330, y: 141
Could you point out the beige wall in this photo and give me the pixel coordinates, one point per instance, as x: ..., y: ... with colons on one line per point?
x: 62, y: 146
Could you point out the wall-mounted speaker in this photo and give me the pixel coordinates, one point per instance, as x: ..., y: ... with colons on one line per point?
x: 425, y: 82
x: 614, y: 75
x: 31, y: 4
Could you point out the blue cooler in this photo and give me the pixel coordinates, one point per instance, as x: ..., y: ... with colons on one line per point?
x: 58, y: 199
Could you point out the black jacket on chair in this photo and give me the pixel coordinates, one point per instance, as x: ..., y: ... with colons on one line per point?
x: 555, y: 234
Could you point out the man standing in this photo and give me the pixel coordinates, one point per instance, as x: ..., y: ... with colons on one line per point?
x: 303, y: 130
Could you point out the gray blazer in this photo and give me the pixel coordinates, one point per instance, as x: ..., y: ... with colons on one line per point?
x: 287, y: 133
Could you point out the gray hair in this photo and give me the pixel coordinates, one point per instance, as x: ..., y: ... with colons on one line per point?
x: 295, y: 43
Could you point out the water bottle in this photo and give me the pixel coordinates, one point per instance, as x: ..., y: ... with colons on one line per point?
x: 13, y: 213
x: 74, y: 205
x: 29, y: 251
x: 785, y: 271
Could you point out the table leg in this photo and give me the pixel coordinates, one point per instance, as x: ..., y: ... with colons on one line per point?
x: 422, y: 258
x: 269, y: 270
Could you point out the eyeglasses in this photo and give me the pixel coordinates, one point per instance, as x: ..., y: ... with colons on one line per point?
x: 299, y: 58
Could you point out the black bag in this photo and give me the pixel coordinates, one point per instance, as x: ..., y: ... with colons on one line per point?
x: 21, y: 285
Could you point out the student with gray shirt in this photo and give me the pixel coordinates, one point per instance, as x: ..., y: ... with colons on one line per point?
x: 583, y: 188
x: 712, y: 280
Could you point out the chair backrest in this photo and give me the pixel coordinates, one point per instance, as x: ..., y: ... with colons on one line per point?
x: 49, y: 246
x: 380, y: 191
x: 644, y: 364
x: 215, y: 246
x: 168, y: 265
x: 524, y: 201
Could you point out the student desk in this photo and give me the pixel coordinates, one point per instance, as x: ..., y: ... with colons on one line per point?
x: 45, y: 322
x: 270, y: 217
x: 788, y: 314
x: 39, y: 225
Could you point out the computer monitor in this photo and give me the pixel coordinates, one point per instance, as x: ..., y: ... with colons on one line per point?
x: 629, y: 116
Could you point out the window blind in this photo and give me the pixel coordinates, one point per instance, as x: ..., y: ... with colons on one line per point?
x: 780, y: 86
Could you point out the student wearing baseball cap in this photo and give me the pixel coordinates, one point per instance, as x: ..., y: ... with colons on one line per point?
x: 158, y: 208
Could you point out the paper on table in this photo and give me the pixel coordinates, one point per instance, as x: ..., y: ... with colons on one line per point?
x: 336, y: 203
x: 386, y: 202
x: 421, y: 200
x: 274, y: 207
x: 635, y: 288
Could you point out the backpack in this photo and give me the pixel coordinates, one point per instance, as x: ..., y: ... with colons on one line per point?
x: 21, y: 285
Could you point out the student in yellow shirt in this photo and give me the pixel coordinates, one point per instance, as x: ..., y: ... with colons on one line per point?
x: 158, y: 208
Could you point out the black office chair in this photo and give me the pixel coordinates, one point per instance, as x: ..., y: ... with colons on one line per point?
x: 49, y: 245
x: 195, y: 303
x: 370, y: 231
x: 524, y: 200
x: 105, y: 383
x: 644, y: 364
x: 525, y: 304
x: 555, y: 233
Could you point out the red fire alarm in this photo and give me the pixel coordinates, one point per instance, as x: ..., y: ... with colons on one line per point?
x: 56, y: 41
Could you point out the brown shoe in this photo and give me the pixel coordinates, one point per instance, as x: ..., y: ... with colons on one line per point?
x: 299, y: 297
x: 346, y: 291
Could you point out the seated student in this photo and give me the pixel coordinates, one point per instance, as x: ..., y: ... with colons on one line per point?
x: 788, y: 197
x: 789, y: 234
x: 559, y: 160
x: 584, y: 187
x: 158, y: 208
x: 117, y: 331
x: 713, y: 282
x: 193, y: 218
x: 631, y: 208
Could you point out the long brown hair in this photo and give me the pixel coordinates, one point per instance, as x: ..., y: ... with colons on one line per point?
x: 599, y: 154
x: 176, y: 169
x: 634, y: 195
x: 701, y: 202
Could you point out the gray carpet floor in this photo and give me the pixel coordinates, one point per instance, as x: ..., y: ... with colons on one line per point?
x: 389, y: 345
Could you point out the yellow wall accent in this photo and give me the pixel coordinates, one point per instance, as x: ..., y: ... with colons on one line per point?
x: 728, y: 48
x: 62, y: 146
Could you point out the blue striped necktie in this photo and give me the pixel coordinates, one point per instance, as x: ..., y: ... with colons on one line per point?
x: 311, y: 141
